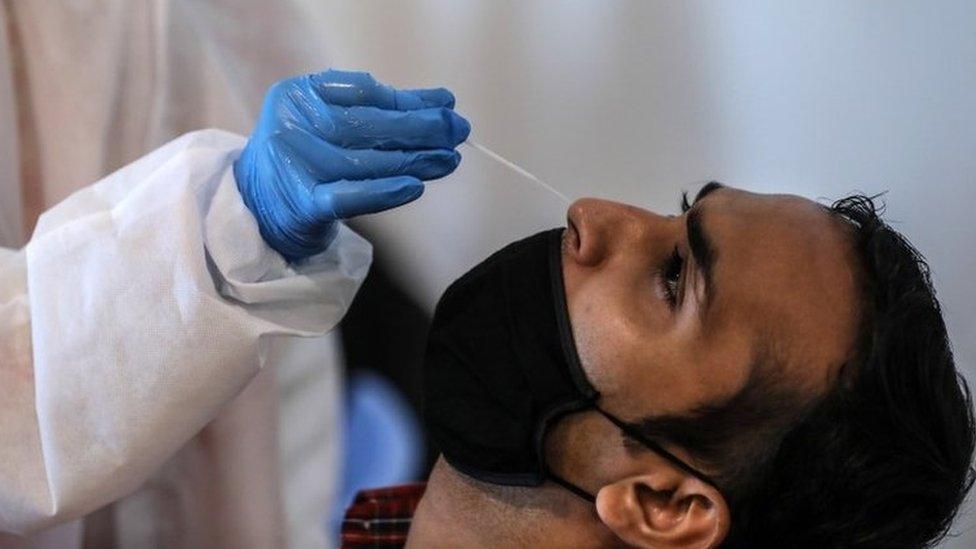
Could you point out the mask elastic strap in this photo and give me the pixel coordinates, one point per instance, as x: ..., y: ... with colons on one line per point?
x: 576, y: 490
x: 633, y: 433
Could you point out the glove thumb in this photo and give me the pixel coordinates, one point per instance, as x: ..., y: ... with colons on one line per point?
x: 344, y: 199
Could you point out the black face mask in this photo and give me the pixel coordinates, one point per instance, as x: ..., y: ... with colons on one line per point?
x: 501, y: 368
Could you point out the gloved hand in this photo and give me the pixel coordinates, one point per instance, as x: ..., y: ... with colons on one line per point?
x: 338, y: 144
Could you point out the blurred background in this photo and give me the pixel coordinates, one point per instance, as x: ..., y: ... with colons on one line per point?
x: 628, y: 100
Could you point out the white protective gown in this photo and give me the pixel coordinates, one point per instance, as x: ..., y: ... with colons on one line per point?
x: 140, y: 307
x: 89, y: 86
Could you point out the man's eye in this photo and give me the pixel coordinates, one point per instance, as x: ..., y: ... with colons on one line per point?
x: 672, y: 278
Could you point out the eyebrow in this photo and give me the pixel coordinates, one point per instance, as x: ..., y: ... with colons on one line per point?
x: 709, y: 188
x: 702, y: 249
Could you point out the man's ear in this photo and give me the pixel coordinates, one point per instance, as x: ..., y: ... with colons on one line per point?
x: 667, y: 508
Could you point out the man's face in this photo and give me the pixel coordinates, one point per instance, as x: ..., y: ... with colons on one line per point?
x: 656, y: 337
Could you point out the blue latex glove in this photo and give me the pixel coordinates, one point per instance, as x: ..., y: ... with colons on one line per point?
x: 338, y: 144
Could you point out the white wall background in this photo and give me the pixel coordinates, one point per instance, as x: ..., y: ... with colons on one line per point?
x: 637, y: 100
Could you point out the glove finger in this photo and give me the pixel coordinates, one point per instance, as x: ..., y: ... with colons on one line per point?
x: 372, y: 128
x: 327, y: 162
x: 345, y: 199
x: 434, y: 97
x: 352, y: 89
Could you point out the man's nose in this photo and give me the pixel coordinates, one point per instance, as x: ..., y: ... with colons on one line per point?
x: 601, y: 228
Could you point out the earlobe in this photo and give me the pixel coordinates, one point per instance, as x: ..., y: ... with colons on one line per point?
x: 667, y: 509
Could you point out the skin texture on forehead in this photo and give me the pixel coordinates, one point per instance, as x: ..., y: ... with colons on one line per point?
x: 790, y: 274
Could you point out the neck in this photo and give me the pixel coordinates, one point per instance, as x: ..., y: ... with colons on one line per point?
x: 457, y: 511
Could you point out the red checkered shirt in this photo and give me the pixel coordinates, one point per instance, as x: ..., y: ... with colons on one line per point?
x: 381, y: 517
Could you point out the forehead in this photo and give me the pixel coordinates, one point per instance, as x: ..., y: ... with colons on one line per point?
x: 784, y: 272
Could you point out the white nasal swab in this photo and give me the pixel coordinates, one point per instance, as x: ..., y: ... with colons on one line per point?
x: 515, y: 167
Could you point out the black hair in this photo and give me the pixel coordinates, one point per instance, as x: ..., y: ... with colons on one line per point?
x: 884, y: 458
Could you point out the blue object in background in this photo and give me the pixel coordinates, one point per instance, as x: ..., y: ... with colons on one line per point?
x: 382, y: 440
x: 338, y: 144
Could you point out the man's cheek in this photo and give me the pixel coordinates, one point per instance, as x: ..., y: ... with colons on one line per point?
x: 596, y: 350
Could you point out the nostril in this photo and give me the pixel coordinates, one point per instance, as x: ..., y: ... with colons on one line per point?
x: 572, y: 237
x: 587, y: 219
x: 575, y: 214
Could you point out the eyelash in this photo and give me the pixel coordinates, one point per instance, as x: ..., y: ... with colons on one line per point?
x: 672, y: 270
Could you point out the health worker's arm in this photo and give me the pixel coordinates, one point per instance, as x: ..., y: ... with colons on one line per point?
x: 144, y: 303
x: 140, y: 306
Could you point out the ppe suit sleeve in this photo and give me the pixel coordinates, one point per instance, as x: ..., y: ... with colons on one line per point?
x: 140, y: 306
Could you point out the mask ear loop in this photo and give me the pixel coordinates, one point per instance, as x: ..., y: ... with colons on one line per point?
x: 657, y: 448
x: 648, y: 443
x: 576, y: 490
